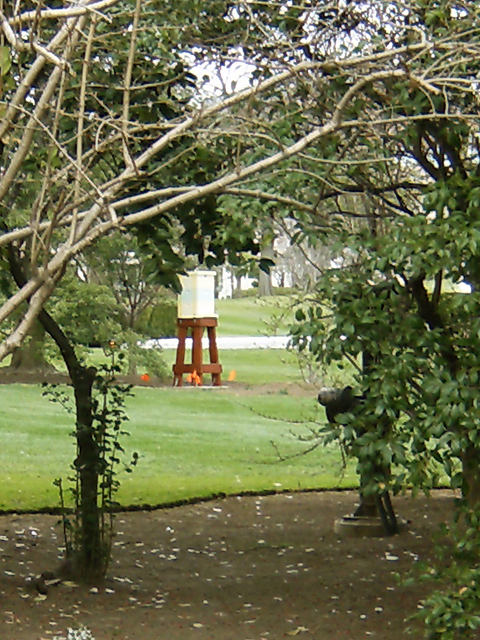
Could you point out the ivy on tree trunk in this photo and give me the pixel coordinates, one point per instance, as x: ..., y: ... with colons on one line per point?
x: 89, y: 562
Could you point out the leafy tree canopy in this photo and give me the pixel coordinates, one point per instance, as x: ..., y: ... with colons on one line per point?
x: 104, y: 123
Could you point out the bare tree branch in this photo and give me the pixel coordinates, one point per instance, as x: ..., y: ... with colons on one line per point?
x: 93, y: 192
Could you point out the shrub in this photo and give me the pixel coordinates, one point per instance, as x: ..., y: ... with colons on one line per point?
x: 159, y: 320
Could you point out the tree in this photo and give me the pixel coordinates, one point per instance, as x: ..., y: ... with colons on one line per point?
x: 394, y: 298
x: 96, y: 151
x: 128, y: 271
x: 30, y: 357
x: 392, y: 295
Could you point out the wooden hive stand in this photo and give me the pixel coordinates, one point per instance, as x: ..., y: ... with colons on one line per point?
x: 197, y: 368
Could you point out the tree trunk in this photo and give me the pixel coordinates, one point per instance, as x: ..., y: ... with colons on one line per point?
x: 90, y: 560
x: 264, y: 284
x: 31, y: 357
x: 132, y: 355
x: 265, y: 279
x: 471, y: 475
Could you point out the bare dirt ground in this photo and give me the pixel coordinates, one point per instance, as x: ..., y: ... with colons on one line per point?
x: 240, y: 568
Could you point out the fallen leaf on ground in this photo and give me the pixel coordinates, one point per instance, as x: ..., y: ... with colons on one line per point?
x: 40, y: 597
x: 296, y: 631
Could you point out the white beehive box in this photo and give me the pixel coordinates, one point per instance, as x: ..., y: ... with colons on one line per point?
x: 197, y: 299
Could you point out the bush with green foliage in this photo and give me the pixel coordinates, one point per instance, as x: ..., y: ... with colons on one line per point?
x: 159, y: 320
x: 453, y: 612
x: 88, y: 312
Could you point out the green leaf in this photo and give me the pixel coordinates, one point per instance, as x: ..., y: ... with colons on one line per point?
x: 5, y: 60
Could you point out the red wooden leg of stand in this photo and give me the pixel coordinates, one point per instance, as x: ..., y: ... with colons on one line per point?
x: 197, y: 354
x: 180, y: 359
x: 212, y: 345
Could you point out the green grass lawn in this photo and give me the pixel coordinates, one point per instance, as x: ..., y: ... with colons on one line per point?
x: 192, y: 443
x: 254, y: 316
x: 252, y: 366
